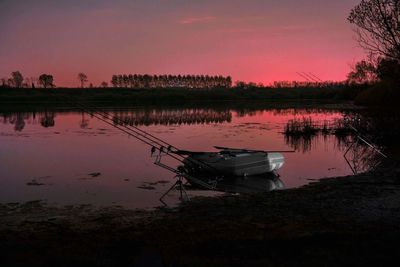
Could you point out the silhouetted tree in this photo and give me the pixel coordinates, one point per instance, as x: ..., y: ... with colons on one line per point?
x: 3, y: 82
x: 388, y: 70
x: 82, y: 77
x: 10, y: 82
x: 114, y: 81
x: 378, y: 26
x: 240, y: 84
x: 46, y: 80
x: 104, y: 84
x: 17, y: 78
x: 363, y: 72
x: 120, y: 79
x: 165, y: 81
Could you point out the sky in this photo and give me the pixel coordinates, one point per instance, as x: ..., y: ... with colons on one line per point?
x: 251, y: 40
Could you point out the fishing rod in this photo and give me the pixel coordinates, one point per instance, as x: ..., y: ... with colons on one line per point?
x: 309, y: 76
x: 303, y: 76
x: 315, y: 76
x: 147, y: 138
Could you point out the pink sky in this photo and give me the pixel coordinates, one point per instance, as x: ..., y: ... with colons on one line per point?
x: 252, y: 40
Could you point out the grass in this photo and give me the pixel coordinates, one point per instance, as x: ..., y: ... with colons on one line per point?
x: 340, y: 127
x: 304, y: 126
x: 123, y: 96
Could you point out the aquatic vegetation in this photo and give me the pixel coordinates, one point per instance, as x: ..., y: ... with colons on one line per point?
x: 304, y: 126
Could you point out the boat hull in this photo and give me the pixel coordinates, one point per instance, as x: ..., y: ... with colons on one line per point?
x: 236, y: 164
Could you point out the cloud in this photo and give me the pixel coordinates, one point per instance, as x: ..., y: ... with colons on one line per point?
x: 192, y: 20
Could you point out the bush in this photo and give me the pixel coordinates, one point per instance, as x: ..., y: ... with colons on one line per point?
x: 384, y: 93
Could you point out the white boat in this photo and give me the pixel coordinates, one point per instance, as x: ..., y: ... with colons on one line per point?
x: 234, y: 162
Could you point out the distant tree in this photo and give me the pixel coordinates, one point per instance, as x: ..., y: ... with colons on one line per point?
x: 104, y: 84
x: 3, y: 82
x: 10, y: 82
x: 240, y: 84
x: 363, y: 72
x: 114, y: 81
x: 35, y: 81
x: 46, y: 80
x: 120, y: 81
x: 82, y: 77
x: 167, y: 81
x: 229, y: 81
x: 378, y: 26
x: 17, y: 78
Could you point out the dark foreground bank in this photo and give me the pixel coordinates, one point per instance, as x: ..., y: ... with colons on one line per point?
x: 343, y: 221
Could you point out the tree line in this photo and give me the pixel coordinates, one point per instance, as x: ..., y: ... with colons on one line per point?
x: 17, y: 80
x: 169, y: 81
x: 125, y: 81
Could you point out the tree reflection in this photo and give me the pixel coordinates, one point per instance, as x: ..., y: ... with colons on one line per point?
x: 47, y: 119
x: 84, y: 122
x: 19, y: 123
x: 171, y: 117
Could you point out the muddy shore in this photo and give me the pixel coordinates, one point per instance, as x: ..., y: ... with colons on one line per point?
x: 351, y: 220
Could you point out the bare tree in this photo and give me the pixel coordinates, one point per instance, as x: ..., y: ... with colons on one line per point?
x: 363, y: 72
x: 17, y: 78
x: 378, y: 26
x: 168, y: 81
x: 46, y: 80
x: 10, y: 82
x: 3, y: 82
x: 114, y: 81
x: 82, y: 77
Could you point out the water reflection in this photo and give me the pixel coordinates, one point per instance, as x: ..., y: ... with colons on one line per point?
x: 147, y: 117
x: 135, y: 117
x: 349, y: 134
x: 73, y: 144
x: 20, y: 119
x: 250, y: 184
x: 171, y: 117
x: 47, y: 119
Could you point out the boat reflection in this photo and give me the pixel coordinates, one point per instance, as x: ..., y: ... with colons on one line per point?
x: 241, y: 184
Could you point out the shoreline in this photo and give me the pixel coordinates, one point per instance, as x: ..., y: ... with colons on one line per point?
x: 173, y: 96
x: 343, y: 220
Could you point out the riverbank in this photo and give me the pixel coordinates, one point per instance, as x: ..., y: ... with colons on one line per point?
x: 170, y: 96
x: 340, y: 221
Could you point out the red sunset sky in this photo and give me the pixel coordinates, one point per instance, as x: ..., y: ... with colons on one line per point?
x: 251, y: 40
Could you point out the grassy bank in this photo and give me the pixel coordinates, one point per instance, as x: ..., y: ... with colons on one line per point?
x: 122, y: 96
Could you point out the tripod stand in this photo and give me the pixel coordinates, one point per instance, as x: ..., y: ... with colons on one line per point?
x: 179, y: 186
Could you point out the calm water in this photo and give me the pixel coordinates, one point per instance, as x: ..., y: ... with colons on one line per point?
x: 72, y: 158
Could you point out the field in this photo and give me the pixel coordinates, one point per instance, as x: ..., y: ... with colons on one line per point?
x: 170, y: 96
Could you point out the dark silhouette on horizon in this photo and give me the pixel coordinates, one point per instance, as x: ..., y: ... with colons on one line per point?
x: 82, y: 77
x: 170, y: 81
x: 17, y: 79
x: 46, y: 80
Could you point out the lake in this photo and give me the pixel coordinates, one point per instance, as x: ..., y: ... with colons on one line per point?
x: 68, y: 157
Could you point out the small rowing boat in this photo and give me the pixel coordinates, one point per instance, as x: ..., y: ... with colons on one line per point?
x: 234, y: 162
